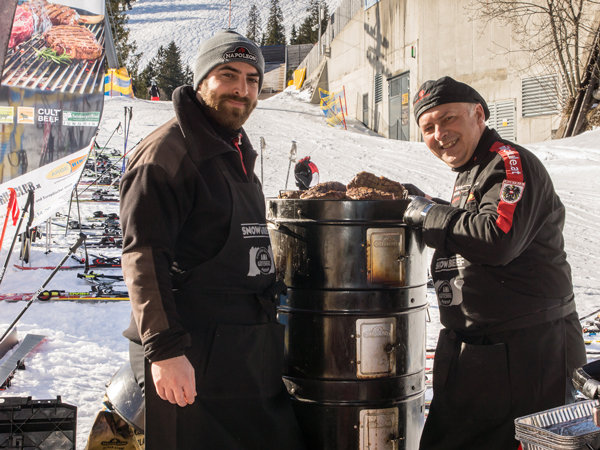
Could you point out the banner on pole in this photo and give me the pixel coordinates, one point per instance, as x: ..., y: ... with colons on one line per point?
x: 52, y: 86
x: 117, y: 83
x: 332, y: 107
x: 52, y: 183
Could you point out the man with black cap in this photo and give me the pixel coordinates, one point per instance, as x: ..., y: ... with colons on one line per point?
x: 205, y: 344
x: 512, y: 337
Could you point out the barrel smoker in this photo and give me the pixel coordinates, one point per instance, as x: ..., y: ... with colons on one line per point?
x: 355, y: 318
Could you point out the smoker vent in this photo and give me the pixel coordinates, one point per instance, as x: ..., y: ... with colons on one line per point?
x: 23, y: 68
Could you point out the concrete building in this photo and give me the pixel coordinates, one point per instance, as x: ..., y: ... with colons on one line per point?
x: 382, y: 51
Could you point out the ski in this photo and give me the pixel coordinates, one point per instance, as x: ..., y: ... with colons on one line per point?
x: 15, y: 361
x: 103, y: 294
x: 91, y: 266
x: 8, y: 342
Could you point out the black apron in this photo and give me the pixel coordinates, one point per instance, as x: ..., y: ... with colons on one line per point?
x: 486, y: 378
x: 227, y: 306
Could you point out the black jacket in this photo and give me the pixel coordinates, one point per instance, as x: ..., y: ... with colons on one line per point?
x: 499, y: 246
x: 175, y: 212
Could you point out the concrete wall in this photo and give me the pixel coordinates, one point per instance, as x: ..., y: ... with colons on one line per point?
x: 446, y: 41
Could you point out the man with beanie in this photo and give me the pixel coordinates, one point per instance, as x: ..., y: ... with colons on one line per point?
x: 205, y: 344
x: 512, y: 337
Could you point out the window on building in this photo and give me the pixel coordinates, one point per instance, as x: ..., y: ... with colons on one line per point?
x: 502, y: 119
x: 540, y: 96
x: 378, y: 88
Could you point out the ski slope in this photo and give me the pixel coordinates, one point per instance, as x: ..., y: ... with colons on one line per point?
x: 153, y: 23
x: 84, y: 346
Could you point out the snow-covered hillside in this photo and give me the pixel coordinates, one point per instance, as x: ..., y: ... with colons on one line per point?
x: 189, y: 22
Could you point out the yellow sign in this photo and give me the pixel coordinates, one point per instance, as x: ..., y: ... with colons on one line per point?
x: 405, y: 99
x: 6, y: 114
x: 25, y: 115
x: 505, y: 123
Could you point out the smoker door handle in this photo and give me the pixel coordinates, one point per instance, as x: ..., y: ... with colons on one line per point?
x: 285, y: 230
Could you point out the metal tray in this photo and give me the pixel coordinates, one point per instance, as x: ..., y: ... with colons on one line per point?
x: 567, y: 427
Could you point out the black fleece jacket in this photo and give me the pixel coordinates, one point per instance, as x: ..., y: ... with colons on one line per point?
x: 499, y: 246
x: 175, y: 213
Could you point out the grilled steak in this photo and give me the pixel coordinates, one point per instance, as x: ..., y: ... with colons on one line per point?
x: 329, y: 195
x: 366, y: 179
x: 289, y: 194
x: 58, y: 14
x: 365, y: 193
x: 22, y: 27
x: 332, y: 190
x: 75, y: 41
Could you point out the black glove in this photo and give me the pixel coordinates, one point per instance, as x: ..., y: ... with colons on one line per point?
x: 416, y: 211
x: 306, y: 174
x: 413, y: 190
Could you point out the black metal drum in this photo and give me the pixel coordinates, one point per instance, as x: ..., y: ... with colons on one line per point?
x: 355, y: 318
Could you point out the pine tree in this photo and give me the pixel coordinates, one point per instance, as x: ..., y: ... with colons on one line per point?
x: 119, y: 20
x: 167, y: 69
x: 172, y: 73
x: 275, y: 34
x: 308, y: 32
x: 294, y: 36
x: 254, y: 25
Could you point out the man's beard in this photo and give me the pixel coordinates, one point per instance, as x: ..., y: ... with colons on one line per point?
x: 222, y: 113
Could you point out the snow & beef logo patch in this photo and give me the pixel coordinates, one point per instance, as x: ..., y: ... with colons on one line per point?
x: 261, y: 261
x: 241, y: 53
x: 511, y: 191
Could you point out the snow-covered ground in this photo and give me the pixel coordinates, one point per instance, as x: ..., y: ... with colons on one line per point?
x: 85, y: 347
x: 189, y: 22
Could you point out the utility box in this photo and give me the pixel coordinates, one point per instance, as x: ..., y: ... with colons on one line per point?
x: 27, y: 424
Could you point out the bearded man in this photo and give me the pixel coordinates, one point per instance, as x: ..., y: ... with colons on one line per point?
x: 199, y: 267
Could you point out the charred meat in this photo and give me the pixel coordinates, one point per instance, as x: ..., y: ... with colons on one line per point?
x: 365, y: 193
x: 289, y: 194
x: 331, y: 190
x: 75, y: 41
x: 369, y: 180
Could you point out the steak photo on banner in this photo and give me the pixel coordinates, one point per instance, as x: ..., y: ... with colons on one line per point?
x: 51, y: 93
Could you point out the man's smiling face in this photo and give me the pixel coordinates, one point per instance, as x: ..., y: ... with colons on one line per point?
x: 452, y: 131
x: 230, y: 91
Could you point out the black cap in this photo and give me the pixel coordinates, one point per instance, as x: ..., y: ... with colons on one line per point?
x: 446, y: 90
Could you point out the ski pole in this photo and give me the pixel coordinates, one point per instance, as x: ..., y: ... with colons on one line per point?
x: 12, y: 244
x: 13, y: 207
x: 262, y: 156
x: 292, y: 159
x: 72, y: 250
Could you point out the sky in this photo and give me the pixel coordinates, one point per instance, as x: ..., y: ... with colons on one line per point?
x: 84, y: 346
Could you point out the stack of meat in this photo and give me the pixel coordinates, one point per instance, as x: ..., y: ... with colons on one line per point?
x: 364, y: 186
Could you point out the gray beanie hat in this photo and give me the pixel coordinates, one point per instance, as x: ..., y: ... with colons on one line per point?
x: 227, y: 46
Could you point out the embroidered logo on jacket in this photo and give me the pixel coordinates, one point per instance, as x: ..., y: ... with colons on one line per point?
x: 511, y: 191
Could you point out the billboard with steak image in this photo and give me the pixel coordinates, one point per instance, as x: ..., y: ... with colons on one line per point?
x: 51, y: 85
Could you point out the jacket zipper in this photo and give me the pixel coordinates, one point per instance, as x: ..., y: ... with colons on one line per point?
x: 237, y: 144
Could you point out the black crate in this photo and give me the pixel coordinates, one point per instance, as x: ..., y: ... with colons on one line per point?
x: 27, y: 424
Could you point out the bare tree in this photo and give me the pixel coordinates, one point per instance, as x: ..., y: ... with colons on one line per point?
x: 557, y: 35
